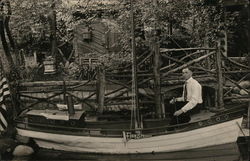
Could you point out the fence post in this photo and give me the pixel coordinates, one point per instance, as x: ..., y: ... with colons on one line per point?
x: 219, y: 78
x: 248, y: 116
x: 100, y: 88
x: 70, y: 105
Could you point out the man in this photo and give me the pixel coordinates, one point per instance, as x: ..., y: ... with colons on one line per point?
x: 191, y: 97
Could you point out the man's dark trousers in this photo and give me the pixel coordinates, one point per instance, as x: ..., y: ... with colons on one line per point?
x: 184, y: 117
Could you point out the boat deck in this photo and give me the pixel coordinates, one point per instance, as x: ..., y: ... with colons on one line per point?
x: 202, y: 115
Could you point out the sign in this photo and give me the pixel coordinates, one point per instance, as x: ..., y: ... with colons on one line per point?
x: 132, y: 135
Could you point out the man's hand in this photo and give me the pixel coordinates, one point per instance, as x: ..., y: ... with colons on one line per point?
x: 172, y: 101
x: 177, y: 113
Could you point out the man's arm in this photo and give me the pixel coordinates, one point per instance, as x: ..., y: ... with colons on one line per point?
x: 191, y: 104
x: 178, y: 99
x: 195, y: 94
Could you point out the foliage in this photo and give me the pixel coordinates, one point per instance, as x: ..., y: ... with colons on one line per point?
x: 189, y: 27
x: 29, y: 73
x: 182, y: 23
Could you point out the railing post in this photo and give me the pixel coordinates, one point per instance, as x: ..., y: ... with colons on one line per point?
x: 70, y: 105
x: 100, y: 88
x: 64, y: 92
x: 248, y: 116
x: 156, y: 68
x: 219, y: 78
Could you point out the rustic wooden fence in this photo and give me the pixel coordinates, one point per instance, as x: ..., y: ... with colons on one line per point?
x: 218, y: 74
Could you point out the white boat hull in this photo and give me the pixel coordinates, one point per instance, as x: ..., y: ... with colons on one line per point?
x: 218, y: 134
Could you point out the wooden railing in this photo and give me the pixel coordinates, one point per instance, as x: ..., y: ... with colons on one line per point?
x: 110, y: 89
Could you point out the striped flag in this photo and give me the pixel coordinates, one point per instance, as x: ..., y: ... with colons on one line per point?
x: 4, y: 92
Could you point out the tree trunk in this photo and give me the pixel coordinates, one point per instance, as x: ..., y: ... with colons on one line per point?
x: 53, y: 29
x: 8, y: 32
x: 53, y: 34
x: 5, y: 44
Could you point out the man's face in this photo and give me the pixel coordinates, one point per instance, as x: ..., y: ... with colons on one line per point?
x: 186, y: 73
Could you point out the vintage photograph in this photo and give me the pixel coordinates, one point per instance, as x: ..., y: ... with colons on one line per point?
x: 124, y: 80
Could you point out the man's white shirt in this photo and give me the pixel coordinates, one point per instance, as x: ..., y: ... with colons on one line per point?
x: 194, y: 94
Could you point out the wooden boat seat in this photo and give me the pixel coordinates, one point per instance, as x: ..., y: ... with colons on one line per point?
x: 202, y: 115
x: 56, y: 114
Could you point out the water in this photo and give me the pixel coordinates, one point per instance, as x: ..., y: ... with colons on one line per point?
x: 228, y: 152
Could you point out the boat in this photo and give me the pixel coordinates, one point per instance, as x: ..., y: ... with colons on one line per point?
x: 51, y: 131
x: 75, y: 131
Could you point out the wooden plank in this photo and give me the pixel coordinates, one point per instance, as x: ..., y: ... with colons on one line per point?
x: 77, y: 87
x: 99, y: 34
x: 51, y: 83
x: 162, y: 50
x: 92, y: 47
x: 97, y: 39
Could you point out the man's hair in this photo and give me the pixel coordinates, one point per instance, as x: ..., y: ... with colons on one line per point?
x: 187, y: 69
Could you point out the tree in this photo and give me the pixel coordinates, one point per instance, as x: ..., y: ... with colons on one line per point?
x: 5, y: 13
x: 177, y: 26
